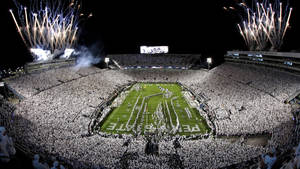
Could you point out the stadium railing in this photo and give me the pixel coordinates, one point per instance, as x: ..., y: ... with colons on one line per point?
x: 283, y: 60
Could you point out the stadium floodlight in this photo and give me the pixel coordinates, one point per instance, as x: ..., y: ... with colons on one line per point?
x: 106, y: 60
x: 209, y: 60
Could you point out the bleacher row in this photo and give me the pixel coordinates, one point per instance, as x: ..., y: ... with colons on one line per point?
x: 161, y: 60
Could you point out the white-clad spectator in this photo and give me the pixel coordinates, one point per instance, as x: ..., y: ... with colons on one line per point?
x: 36, y: 163
x: 4, y: 156
x: 61, y: 167
x: 289, y: 165
x: 293, y: 164
x: 55, y: 165
x: 6, y: 146
x: 268, y: 160
x: 297, y: 151
x: 297, y: 157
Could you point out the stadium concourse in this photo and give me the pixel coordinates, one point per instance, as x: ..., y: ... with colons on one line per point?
x: 244, y: 100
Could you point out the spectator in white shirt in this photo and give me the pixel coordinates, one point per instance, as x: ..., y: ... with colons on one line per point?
x: 6, y: 146
x: 268, y: 160
x: 36, y: 163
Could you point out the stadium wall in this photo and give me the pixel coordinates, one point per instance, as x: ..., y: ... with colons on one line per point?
x: 34, y: 67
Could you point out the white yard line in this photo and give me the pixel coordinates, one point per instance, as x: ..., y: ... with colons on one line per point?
x: 131, y: 114
x: 138, y: 114
x: 170, y: 118
x: 189, y: 114
x: 177, y: 119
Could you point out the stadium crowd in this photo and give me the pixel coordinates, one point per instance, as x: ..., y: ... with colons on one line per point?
x: 174, y: 60
x: 235, y: 104
x: 57, y: 106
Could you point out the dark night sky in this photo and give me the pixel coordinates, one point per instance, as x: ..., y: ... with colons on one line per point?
x: 121, y: 27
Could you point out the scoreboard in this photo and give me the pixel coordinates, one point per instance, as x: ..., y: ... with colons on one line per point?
x: 154, y: 49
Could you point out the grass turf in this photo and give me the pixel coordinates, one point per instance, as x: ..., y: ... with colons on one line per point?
x: 142, y: 115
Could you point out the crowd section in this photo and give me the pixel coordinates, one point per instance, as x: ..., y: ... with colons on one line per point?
x: 160, y: 75
x: 53, y: 117
x: 238, y: 104
x: 164, y: 60
x: 274, y: 82
x: 31, y: 84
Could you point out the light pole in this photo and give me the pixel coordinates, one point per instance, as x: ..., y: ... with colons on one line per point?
x: 209, y: 62
x: 106, y: 60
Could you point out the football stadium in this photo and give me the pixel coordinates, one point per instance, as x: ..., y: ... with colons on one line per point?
x: 68, y: 108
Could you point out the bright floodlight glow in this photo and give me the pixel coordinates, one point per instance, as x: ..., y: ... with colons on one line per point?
x: 51, y: 25
x: 154, y: 49
x: 106, y: 60
x: 209, y: 60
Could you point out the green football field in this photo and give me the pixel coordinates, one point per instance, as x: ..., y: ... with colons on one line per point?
x: 147, y: 106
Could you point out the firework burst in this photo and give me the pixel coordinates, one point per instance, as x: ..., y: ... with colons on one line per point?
x: 265, y: 23
x: 48, y: 27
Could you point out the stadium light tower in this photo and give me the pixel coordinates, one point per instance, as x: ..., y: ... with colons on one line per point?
x: 106, y: 60
x: 209, y: 62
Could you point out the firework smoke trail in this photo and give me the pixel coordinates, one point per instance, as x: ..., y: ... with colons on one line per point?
x: 48, y: 27
x: 265, y: 23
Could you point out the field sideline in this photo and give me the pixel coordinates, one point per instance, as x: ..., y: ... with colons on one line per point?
x: 147, y: 106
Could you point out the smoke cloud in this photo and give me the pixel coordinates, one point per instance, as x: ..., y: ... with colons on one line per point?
x: 87, y: 57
